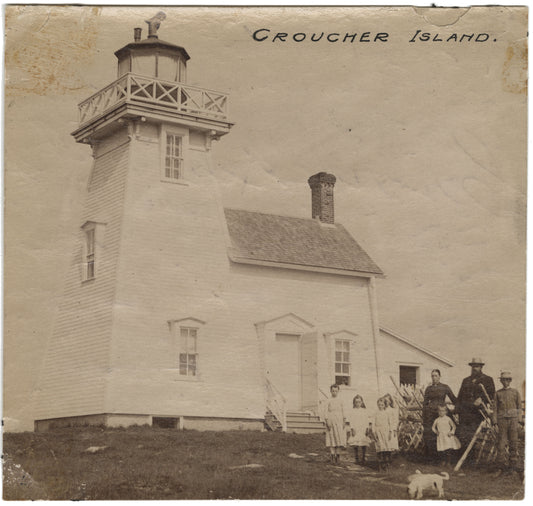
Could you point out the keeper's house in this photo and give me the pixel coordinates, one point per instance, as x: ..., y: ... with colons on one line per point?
x: 180, y: 313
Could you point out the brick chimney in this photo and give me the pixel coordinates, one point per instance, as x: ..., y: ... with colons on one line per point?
x: 322, y: 196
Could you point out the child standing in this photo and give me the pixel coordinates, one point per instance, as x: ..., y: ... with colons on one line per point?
x: 335, y: 421
x: 444, y: 427
x: 359, y: 423
x: 507, y: 409
x: 394, y: 416
x: 382, y: 434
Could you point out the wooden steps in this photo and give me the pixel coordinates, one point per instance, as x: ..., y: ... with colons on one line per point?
x: 298, y: 422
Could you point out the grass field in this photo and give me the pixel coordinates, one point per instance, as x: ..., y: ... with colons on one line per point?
x: 149, y: 463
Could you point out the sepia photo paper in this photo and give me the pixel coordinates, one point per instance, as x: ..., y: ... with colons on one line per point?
x: 264, y: 252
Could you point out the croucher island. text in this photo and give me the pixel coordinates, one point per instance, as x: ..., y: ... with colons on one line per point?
x: 265, y: 34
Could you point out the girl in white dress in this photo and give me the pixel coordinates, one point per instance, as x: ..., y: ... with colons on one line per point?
x: 394, y: 415
x: 335, y: 422
x: 382, y: 434
x: 359, y: 423
x: 447, y: 441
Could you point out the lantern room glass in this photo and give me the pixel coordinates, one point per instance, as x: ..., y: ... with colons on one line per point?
x: 143, y: 64
x: 167, y: 67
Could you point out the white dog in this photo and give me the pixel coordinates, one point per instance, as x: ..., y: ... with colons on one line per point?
x: 419, y: 482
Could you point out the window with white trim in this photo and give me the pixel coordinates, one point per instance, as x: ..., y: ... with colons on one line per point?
x: 91, y: 250
x: 188, y: 355
x: 342, y: 362
x: 173, y: 169
x: 90, y: 246
x: 184, y: 335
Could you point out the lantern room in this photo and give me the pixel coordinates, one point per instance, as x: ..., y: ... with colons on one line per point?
x: 152, y: 57
x: 151, y: 87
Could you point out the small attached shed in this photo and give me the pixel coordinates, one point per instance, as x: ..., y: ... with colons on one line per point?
x: 405, y: 361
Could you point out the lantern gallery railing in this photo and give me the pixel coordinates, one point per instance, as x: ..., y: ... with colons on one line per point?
x: 132, y: 88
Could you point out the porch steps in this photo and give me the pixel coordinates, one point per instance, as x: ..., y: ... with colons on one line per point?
x: 298, y: 422
x: 301, y: 422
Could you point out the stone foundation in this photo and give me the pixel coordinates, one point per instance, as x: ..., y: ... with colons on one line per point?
x: 123, y: 420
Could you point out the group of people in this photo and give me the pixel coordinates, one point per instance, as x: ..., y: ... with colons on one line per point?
x: 476, y: 402
x: 358, y: 429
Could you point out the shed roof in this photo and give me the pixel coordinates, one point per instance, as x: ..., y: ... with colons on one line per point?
x: 297, y: 241
x: 397, y: 336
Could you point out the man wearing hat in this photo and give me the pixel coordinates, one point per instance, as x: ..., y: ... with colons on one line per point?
x: 507, y: 410
x: 476, y: 390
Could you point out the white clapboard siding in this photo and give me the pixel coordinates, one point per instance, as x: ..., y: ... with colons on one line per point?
x: 165, y: 258
x: 77, y: 358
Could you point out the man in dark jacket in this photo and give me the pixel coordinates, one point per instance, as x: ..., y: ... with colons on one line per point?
x: 476, y: 390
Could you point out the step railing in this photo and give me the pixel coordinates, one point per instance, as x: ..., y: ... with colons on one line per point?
x: 133, y: 88
x: 322, y: 404
x: 277, y: 404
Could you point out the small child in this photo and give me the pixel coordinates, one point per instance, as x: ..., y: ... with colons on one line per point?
x: 507, y: 409
x: 382, y: 435
x: 335, y: 421
x: 358, y: 431
x: 394, y: 416
x: 444, y: 427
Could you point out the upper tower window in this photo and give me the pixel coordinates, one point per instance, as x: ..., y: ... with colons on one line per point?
x: 89, y: 256
x: 174, y: 156
x: 91, y: 249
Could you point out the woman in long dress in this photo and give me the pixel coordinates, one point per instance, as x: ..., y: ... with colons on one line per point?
x: 335, y: 422
x: 434, y: 396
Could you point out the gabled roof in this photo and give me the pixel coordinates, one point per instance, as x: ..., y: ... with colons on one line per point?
x: 257, y: 237
x: 418, y: 347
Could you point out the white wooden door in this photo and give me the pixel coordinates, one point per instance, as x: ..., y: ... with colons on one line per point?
x: 285, y: 368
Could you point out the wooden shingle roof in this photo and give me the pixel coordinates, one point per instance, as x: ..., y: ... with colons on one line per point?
x: 298, y: 241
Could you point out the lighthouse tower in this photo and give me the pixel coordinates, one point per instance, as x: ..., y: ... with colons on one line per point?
x: 132, y: 344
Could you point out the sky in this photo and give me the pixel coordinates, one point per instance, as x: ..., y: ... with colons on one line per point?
x: 427, y: 141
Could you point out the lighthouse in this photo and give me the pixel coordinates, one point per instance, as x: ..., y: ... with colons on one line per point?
x: 181, y: 313
x: 129, y: 332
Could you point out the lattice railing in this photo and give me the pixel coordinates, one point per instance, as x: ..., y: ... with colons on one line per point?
x: 132, y: 88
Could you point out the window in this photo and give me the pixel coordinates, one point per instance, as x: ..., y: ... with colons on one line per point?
x: 408, y: 375
x: 188, y: 355
x: 342, y: 362
x: 184, y: 335
x: 92, y: 249
x: 173, y: 156
x: 89, y: 257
